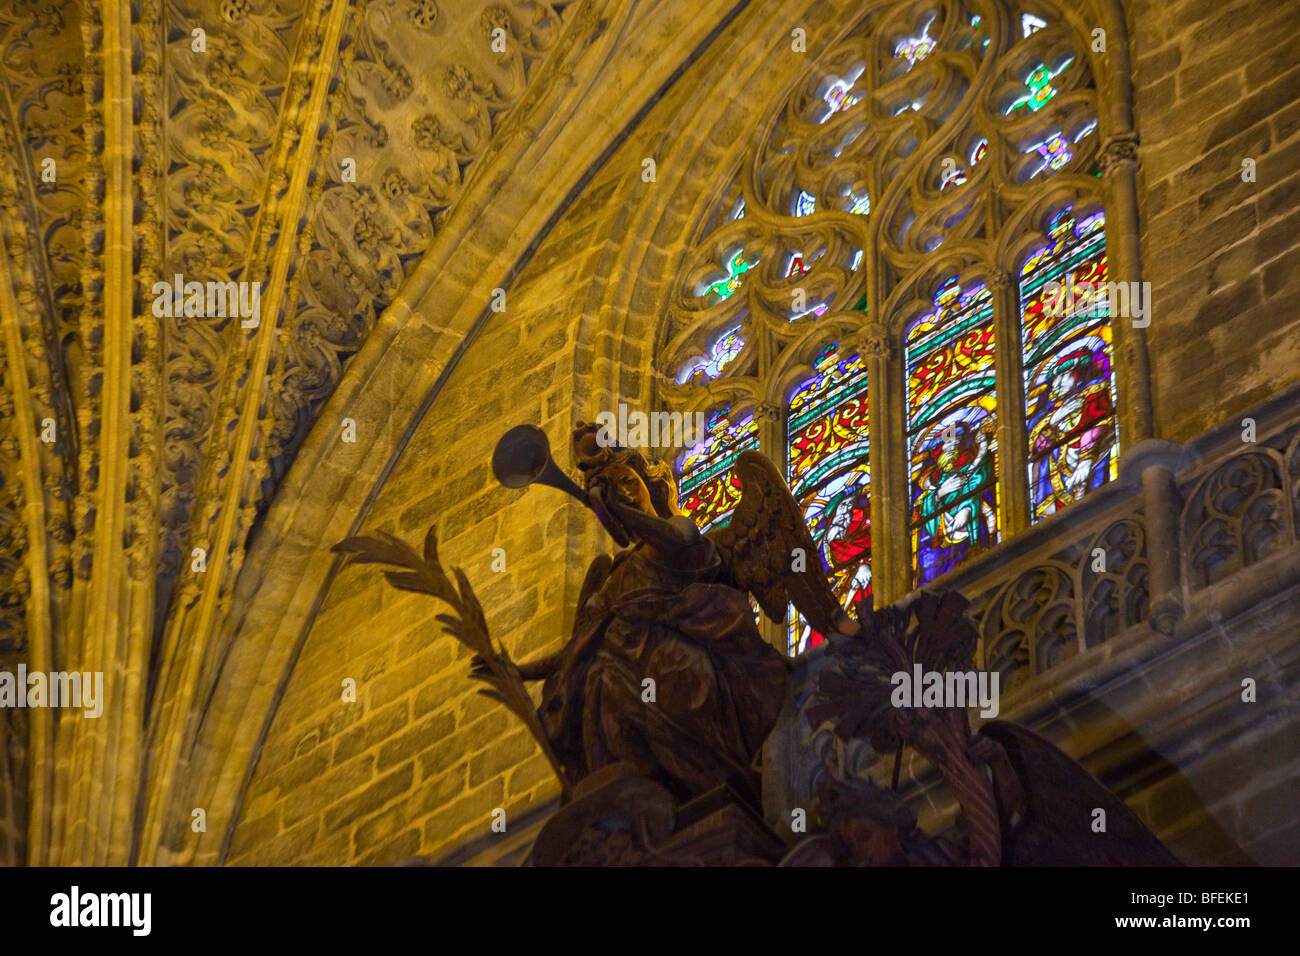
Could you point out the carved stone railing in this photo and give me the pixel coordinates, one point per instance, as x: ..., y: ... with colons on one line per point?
x: 1188, y: 538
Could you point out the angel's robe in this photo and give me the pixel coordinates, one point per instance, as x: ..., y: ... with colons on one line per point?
x: 717, y: 685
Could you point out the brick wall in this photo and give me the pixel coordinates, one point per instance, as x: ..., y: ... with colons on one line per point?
x: 1217, y: 82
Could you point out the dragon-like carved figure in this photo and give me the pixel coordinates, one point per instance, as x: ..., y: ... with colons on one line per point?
x: 1023, y: 801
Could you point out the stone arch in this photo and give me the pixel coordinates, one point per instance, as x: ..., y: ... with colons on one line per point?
x: 1115, y: 139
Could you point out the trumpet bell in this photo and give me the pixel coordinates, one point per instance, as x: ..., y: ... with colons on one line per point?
x: 523, y: 457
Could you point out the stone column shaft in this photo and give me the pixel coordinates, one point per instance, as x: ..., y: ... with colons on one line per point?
x: 1013, y: 435
x: 1155, y: 464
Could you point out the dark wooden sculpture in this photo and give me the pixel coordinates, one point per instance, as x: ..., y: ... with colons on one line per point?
x: 653, y: 713
x: 672, y: 613
x: 667, y: 617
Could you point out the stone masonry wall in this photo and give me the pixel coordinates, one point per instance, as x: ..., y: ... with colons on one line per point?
x: 1217, y: 82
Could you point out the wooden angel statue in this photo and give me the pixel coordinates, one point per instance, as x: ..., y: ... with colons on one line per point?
x: 666, y: 669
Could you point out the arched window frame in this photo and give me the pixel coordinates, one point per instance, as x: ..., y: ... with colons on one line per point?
x: 778, y: 359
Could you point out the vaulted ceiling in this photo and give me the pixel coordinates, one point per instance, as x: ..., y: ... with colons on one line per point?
x: 313, y: 147
x: 171, y: 479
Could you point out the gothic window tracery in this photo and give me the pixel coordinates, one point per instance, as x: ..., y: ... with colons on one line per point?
x: 938, y: 362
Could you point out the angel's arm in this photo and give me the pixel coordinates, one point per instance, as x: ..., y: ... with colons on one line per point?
x: 678, y: 536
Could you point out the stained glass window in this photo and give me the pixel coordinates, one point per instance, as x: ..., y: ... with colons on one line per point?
x: 708, y: 488
x: 838, y: 96
x: 952, y: 437
x: 736, y: 269
x: 799, y: 267
x: 1069, y: 385
x: 916, y: 48
x: 723, y: 352
x: 954, y: 175
x: 1054, y: 151
x: 961, y: 159
x: 830, y: 477
x: 1038, y: 87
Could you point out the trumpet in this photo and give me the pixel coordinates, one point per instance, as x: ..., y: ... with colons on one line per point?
x: 523, y: 457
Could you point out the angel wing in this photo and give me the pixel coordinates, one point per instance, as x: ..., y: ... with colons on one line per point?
x: 758, y: 546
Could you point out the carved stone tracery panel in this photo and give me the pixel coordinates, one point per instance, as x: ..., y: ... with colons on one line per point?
x: 1237, y: 515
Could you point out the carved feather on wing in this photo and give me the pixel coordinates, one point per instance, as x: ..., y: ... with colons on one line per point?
x: 758, y: 546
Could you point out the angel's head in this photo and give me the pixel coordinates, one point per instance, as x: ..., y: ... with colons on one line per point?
x: 643, y: 484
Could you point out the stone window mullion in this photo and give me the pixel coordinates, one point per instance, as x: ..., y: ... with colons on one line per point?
x: 771, y: 419
x: 1119, y: 198
x: 888, y: 497
x: 1013, y: 436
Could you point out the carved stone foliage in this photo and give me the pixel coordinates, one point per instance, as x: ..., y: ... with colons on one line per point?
x: 42, y: 383
x: 228, y: 113
x: 221, y: 114
x: 418, y: 94
x: 411, y: 116
x: 42, y: 56
x: 1237, y: 515
x: 13, y: 534
x: 42, y: 195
